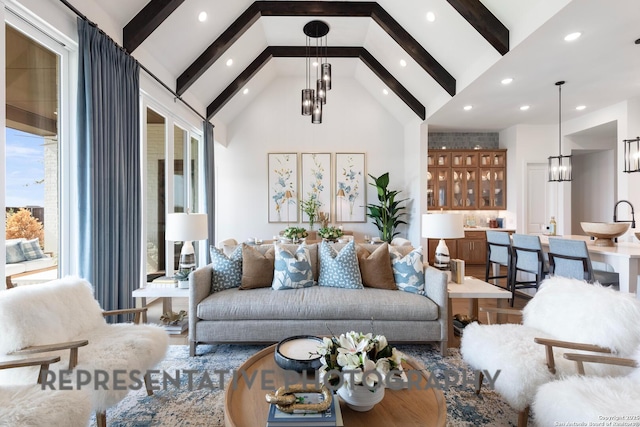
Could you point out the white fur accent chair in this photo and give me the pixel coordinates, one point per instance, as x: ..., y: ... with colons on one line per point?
x: 62, y: 318
x: 584, y: 400
x: 30, y: 405
x: 565, y: 313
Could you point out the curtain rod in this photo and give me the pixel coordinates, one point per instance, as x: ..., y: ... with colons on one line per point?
x: 145, y: 69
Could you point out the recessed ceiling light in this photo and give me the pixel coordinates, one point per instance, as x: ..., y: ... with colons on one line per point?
x: 245, y: 91
x: 384, y: 91
x: 431, y: 16
x: 202, y: 16
x: 581, y: 107
x: 403, y: 63
x: 229, y: 62
x: 506, y: 81
x: 468, y: 107
x: 314, y: 63
x: 573, y: 36
x: 524, y: 108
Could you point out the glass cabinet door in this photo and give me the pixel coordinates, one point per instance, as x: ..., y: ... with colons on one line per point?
x: 443, y: 160
x: 499, y: 184
x: 431, y: 187
x: 470, y: 160
x: 485, y: 189
x: 471, y: 188
x: 442, y: 188
x: 457, y: 199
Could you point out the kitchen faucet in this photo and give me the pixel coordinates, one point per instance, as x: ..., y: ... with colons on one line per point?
x: 633, y: 218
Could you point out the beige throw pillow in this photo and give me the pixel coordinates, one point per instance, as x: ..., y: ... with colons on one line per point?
x: 257, y: 268
x: 375, y: 267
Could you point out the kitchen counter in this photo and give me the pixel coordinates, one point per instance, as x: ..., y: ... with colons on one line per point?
x: 624, y: 257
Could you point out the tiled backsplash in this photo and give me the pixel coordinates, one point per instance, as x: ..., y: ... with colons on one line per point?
x: 464, y: 140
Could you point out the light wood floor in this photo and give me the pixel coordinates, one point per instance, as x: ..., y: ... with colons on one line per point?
x: 459, y: 306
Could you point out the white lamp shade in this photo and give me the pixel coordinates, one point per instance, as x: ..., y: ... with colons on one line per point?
x: 443, y: 226
x: 186, y: 227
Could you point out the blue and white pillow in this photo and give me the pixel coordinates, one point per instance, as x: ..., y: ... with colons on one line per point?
x: 292, y: 271
x: 339, y: 270
x: 14, y: 252
x: 408, y: 270
x: 31, y: 249
x: 227, y: 270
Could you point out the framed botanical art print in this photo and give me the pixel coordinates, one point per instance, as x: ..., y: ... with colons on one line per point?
x: 283, y: 187
x: 350, y: 187
x: 316, y: 182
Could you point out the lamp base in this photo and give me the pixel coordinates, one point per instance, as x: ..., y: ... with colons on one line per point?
x: 442, y: 259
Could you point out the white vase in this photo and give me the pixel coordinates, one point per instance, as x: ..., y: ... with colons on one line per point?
x: 361, y: 398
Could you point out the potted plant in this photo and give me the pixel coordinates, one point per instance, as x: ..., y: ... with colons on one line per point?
x: 295, y: 233
x: 310, y: 207
x: 330, y: 233
x: 182, y: 276
x: 386, y: 216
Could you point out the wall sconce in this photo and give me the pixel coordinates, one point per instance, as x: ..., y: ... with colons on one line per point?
x: 632, y: 155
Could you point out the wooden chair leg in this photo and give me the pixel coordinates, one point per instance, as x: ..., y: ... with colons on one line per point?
x: 523, y: 417
x: 147, y: 384
x: 480, y: 379
x: 101, y: 419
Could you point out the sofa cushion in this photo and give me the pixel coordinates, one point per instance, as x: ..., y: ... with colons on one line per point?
x: 317, y: 303
x: 14, y: 252
x: 375, y: 267
x: 257, y: 267
x: 341, y: 269
x: 31, y: 249
x: 313, y: 256
x: 408, y: 270
x: 226, y: 270
x: 292, y: 270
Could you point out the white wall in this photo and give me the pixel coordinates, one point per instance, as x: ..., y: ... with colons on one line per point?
x: 352, y: 122
x: 592, y: 198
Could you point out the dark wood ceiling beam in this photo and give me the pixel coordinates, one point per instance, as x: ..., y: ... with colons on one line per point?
x: 218, y: 48
x: 300, y: 52
x: 146, y: 21
x: 485, y: 22
x: 414, y: 49
x: 316, y: 8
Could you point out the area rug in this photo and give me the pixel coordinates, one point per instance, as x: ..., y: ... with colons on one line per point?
x: 201, y: 404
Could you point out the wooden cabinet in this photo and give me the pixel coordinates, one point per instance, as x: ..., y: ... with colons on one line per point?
x: 473, y: 248
x: 467, y: 179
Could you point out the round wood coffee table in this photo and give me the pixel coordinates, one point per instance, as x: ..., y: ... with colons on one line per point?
x: 246, y: 405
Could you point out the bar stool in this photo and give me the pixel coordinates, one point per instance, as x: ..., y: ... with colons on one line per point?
x: 570, y: 258
x: 498, y: 255
x: 527, y: 257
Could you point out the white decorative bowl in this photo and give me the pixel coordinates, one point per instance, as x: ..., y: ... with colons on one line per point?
x: 604, y: 232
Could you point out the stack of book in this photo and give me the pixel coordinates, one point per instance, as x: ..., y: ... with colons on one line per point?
x: 163, y: 282
x: 178, y: 328
x: 332, y: 417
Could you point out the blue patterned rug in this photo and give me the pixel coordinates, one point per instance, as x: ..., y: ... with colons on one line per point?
x: 178, y: 406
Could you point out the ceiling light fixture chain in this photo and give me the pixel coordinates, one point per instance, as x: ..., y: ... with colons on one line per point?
x: 312, y: 101
x: 559, y: 166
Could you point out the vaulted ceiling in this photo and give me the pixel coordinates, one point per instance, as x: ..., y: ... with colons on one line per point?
x: 455, y: 60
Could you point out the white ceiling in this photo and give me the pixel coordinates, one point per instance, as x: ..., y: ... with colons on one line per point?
x: 601, y: 68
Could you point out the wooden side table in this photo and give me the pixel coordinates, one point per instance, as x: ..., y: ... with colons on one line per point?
x: 473, y: 289
x: 166, y: 294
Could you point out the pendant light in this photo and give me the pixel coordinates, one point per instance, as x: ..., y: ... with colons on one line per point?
x: 632, y: 155
x: 313, y: 100
x: 559, y: 166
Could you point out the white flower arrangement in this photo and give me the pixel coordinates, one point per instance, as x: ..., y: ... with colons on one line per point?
x: 330, y: 233
x: 361, y: 354
x: 295, y: 233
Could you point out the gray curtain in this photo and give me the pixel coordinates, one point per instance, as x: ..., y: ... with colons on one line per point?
x: 109, y: 175
x: 210, y: 184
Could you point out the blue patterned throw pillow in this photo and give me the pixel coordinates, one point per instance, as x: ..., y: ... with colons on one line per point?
x: 292, y: 271
x: 227, y: 270
x: 14, y: 252
x: 31, y: 249
x: 339, y: 270
x: 408, y: 270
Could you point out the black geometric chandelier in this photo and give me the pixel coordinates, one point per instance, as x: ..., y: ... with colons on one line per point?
x: 313, y: 100
x: 559, y: 166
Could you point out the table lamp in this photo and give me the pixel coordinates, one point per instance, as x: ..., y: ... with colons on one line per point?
x: 442, y: 226
x: 186, y: 227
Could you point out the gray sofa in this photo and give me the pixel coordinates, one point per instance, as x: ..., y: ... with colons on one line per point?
x: 264, y: 315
